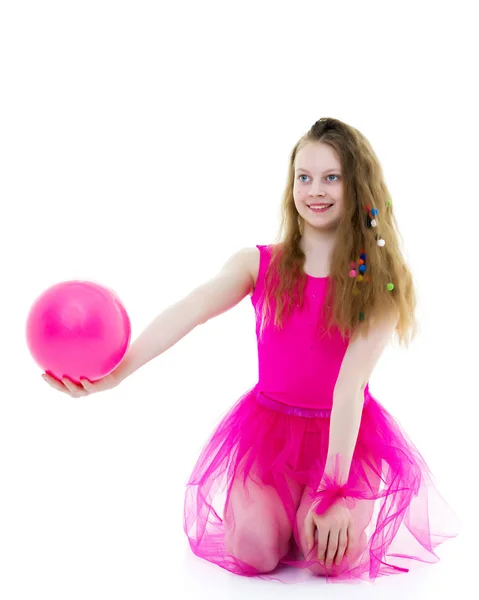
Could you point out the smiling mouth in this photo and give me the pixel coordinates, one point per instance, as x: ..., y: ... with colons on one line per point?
x: 320, y: 209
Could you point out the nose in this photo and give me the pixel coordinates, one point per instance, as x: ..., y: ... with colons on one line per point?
x: 316, y: 189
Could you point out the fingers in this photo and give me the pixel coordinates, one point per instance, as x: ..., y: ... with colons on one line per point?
x: 87, y: 385
x: 351, y: 535
x: 309, y: 528
x: 342, y: 544
x: 332, y: 548
x: 69, y: 387
x: 54, y: 383
x: 76, y: 391
x: 322, y: 544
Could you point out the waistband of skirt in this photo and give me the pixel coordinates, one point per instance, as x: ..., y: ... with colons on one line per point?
x: 288, y: 409
x: 299, y: 411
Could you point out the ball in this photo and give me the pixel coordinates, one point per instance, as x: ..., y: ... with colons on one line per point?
x: 78, y: 329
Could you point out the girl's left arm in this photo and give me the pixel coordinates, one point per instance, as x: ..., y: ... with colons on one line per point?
x: 361, y: 356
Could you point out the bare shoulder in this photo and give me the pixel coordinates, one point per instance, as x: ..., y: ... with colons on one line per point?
x: 251, y: 256
x: 244, y: 264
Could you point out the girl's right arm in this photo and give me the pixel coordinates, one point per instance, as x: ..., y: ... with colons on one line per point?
x: 221, y: 293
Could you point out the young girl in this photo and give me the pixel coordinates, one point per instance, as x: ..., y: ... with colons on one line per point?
x: 308, y: 469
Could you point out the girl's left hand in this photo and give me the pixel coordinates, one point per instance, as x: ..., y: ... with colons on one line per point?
x: 335, y: 533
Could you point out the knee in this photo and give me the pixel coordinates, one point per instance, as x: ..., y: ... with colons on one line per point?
x: 260, y: 553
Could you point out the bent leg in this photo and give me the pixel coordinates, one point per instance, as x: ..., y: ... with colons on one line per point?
x: 257, y: 528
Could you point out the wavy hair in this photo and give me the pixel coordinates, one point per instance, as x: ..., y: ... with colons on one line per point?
x: 352, y: 305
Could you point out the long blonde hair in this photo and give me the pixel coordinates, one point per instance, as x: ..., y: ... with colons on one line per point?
x: 363, y: 185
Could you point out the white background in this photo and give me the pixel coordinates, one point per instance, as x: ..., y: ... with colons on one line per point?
x: 142, y: 143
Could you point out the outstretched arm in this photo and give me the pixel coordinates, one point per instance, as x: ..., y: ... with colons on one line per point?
x: 214, y: 297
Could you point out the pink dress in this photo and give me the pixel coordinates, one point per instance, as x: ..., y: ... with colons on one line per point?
x: 279, y: 430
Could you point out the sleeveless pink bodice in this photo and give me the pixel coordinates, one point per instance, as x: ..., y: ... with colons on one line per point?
x: 298, y: 365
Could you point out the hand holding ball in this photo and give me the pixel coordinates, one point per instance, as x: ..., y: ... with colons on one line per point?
x: 79, y: 330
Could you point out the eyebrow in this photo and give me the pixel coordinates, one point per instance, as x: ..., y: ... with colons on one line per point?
x: 327, y: 171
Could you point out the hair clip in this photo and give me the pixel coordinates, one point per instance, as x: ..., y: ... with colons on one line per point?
x: 360, y: 265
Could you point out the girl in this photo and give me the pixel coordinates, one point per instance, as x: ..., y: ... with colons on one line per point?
x: 308, y: 469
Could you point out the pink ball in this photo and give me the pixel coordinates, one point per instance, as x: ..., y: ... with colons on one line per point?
x: 78, y: 329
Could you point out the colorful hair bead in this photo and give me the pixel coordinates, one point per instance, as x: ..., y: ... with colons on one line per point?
x: 362, y: 255
x: 360, y: 277
x: 374, y: 223
x: 362, y: 268
x: 390, y: 287
x: 361, y: 316
x: 381, y: 242
x: 352, y: 273
x: 374, y: 212
x: 353, y: 265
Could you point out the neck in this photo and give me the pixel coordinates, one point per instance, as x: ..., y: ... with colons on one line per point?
x: 316, y: 244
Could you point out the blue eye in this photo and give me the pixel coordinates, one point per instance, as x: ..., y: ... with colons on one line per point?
x: 331, y: 175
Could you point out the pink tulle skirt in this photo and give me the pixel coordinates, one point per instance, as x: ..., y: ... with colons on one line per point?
x: 278, y: 452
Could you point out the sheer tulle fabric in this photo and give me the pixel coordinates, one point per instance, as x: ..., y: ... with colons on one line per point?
x: 403, y: 516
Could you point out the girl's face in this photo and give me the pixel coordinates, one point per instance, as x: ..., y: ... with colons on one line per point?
x: 318, y: 180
